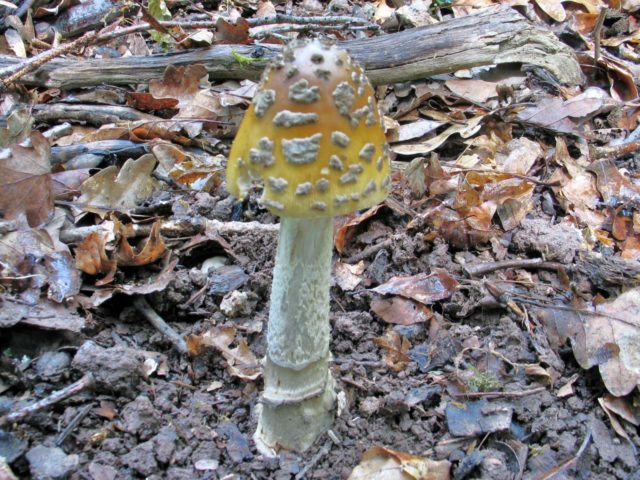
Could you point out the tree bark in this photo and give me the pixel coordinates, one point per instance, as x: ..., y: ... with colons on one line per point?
x: 492, y: 36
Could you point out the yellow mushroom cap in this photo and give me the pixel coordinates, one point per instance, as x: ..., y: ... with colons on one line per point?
x: 313, y: 135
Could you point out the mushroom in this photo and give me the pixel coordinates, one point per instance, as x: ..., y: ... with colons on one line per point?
x: 313, y: 134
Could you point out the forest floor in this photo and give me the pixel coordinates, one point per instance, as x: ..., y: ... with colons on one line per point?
x: 484, y: 318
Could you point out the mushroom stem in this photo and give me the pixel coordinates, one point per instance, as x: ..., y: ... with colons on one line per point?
x: 298, y: 400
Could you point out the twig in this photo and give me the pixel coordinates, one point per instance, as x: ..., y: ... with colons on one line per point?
x: 32, y: 64
x: 281, y: 29
x: 484, y: 268
x: 316, y: 458
x: 86, y: 382
x: 183, y: 227
x: 521, y: 393
x: 158, y: 322
x: 367, y: 252
x: 613, y: 151
x: 73, y: 424
x: 282, y: 18
x: 549, y: 474
x: 597, y: 34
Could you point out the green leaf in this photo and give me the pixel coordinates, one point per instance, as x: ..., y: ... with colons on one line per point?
x: 158, y: 9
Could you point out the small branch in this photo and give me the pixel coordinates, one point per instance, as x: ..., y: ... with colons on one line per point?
x: 367, y: 252
x: 86, y: 382
x: 158, y: 322
x: 553, y: 473
x: 73, y: 424
x: 489, y: 267
x: 597, y: 34
x: 94, y: 114
x: 613, y: 151
x: 316, y: 458
x: 278, y: 30
x: 184, y: 227
x: 282, y: 18
x: 521, y: 393
x: 38, y: 61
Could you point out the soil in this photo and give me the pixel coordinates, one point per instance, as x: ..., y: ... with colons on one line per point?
x: 189, y: 418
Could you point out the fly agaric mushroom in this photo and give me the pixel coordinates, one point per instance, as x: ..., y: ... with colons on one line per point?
x: 314, y: 135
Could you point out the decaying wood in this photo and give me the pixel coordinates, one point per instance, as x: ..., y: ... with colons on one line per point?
x: 92, y: 114
x: 492, y: 36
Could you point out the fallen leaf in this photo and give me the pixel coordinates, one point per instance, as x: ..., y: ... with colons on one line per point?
x: 381, y: 463
x: 25, y: 182
x: 18, y: 127
x: 91, y: 256
x: 62, y: 276
x: 110, y: 189
x: 465, y: 130
x: 416, y: 129
x: 401, y: 311
x: 473, y: 418
x: 348, y: 230
x: 553, y: 8
x: 348, y: 276
x: 478, y: 91
x: 608, y: 338
x: 424, y: 288
x: 396, y: 347
x: 614, y: 188
x: 152, y: 248
x: 203, y: 172
x: 232, y: 33
x: 241, y: 361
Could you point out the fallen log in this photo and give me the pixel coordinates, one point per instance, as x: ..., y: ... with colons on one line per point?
x: 492, y: 36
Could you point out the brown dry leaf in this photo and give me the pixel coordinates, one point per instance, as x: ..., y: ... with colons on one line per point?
x: 18, y: 127
x: 557, y: 114
x: 566, y: 390
x: 424, y: 288
x: 612, y: 342
x: 25, y: 182
x: 92, y: 258
x: 152, y: 248
x: 201, y: 173
x: 45, y: 315
x: 146, y: 101
x: 106, y: 410
x: 62, y: 276
x: 615, y: 421
x: 478, y: 91
x: 150, y: 284
x: 540, y: 372
x: 401, y: 311
x: 66, y: 184
x: 228, y: 33
x: 241, y: 361
x: 518, y: 156
x: 348, y: 276
x: 381, y: 463
x: 180, y: 83
x: 409, y: 131
x: 346, y: 231
x: 621, y: 407
x: 553, y: 8
x: 581, y: 198
x: 112, y: 190
x: 614, y: 188
x: 396, y: 347
x: 465, y: 130
x: 196, y: 105
x: 383, y: 12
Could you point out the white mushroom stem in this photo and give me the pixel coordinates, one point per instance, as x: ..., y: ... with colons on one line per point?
x: 298, y: 400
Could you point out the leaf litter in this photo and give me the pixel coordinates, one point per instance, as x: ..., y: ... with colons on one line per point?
x: 512, y: 231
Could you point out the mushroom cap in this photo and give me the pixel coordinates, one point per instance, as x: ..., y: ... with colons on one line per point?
x: 313, y: 134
